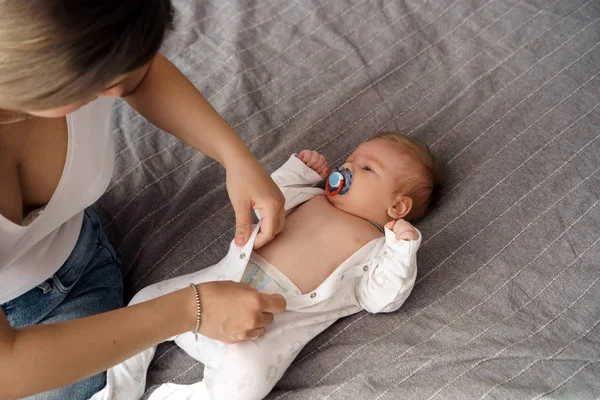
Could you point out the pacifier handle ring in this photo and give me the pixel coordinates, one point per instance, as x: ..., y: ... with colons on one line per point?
x: 329, y: 193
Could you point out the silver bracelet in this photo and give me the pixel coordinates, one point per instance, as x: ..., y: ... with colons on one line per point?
x: 198, y: 309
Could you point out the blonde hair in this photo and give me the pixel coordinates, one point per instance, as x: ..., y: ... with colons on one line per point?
x: 10, y: 117
x: 58, y: 52
x: 422, y: 186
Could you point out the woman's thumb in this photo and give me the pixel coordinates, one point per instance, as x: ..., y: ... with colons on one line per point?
x: 243, y: 225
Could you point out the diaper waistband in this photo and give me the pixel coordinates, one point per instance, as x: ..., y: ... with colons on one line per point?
x: 290, y: 289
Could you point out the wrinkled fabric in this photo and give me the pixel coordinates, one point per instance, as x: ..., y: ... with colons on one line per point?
x: 504, y: 92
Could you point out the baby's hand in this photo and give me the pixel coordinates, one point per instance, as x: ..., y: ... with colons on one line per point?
x: 403, y: 230
x: 315, y: 161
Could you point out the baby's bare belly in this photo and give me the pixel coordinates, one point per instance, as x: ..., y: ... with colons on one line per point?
x: 317, y: 238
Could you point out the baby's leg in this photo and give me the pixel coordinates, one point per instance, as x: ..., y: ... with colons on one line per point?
x: 127, y: 380
x: 243, y: 371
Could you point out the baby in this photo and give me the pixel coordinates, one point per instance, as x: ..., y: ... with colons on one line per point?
x: 345, y: 248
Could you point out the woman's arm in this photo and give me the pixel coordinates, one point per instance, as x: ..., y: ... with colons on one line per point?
x: 162, y: 94
x: 44, y: 357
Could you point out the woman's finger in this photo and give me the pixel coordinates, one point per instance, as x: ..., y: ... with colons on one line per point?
x: 266, y: 232
x: 281, y: 225
x: 265, y: 319
x: 271, y: 224
x: 243, y: 222
x: 252, y: 334
x: 273, y: 303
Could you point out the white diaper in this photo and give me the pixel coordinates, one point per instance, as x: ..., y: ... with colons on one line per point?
x: 265, y: 278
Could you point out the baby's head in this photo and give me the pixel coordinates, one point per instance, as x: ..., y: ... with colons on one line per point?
x: 393, y: 177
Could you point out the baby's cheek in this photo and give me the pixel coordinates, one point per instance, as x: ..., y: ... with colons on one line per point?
x: 362, y: 199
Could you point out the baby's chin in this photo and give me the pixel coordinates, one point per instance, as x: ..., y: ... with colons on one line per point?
x: 341, y: 202
x: 344, y: 203
x: 334, y: 200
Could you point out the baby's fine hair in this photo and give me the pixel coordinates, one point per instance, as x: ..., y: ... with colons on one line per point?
x: 421, y: 188
x: 58, y: 52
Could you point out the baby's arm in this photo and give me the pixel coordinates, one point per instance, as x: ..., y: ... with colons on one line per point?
x: 296, y: 179
x: 391, y: 277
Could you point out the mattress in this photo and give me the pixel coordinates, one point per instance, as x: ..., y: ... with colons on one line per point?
x: 506, y: 95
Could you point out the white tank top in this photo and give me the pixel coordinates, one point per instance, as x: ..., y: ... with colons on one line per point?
x: 31, y: 254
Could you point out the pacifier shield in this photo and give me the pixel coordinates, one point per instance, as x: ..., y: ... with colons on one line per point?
x: 339, y: 182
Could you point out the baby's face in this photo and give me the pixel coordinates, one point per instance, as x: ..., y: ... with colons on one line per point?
x: 377, y: 166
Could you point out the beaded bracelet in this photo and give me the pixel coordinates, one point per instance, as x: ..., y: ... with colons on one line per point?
x: 198, y: 309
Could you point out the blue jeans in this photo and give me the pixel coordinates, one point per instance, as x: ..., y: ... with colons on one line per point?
x: 88, y: 283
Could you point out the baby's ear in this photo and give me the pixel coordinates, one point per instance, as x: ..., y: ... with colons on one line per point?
x: 400, y: 208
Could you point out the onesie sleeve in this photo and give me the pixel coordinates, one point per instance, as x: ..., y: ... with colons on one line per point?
x: 391, y: 277
x: 296, y: 182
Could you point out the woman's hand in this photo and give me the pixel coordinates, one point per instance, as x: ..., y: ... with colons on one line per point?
x: 403, y: 230
x: 250, y: 187
x: 48, y: 356
x: 162, y: 94
x: 315, y: 161
x: 233, y: 312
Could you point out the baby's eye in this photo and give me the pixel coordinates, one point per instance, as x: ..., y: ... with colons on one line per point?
x: 365, y: 168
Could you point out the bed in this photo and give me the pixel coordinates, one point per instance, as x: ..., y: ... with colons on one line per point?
x: 504, y: 92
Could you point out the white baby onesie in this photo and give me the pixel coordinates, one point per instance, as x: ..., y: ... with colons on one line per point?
x: 377, y: 278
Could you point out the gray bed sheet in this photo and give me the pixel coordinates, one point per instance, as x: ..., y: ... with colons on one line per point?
x: 504, y: 92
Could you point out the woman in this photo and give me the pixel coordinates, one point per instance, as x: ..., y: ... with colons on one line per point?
x: 61, y: 320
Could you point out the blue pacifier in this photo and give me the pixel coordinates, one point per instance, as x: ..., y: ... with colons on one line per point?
x: 339, y: 182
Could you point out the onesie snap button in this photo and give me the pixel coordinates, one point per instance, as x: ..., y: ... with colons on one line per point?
x: 313, y: 295
x: 366, y: 267
x: 243, y: 255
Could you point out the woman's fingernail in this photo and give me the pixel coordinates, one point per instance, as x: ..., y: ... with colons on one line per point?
x: 240, y: 238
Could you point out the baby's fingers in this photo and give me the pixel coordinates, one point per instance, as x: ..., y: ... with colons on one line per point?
x: 321, y: 164
x: 309, y: 157
x: 303, y: 155
x: 410, y: 234
x: 405, y: 231
x: 323, y: 171
x: 316, y: 161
